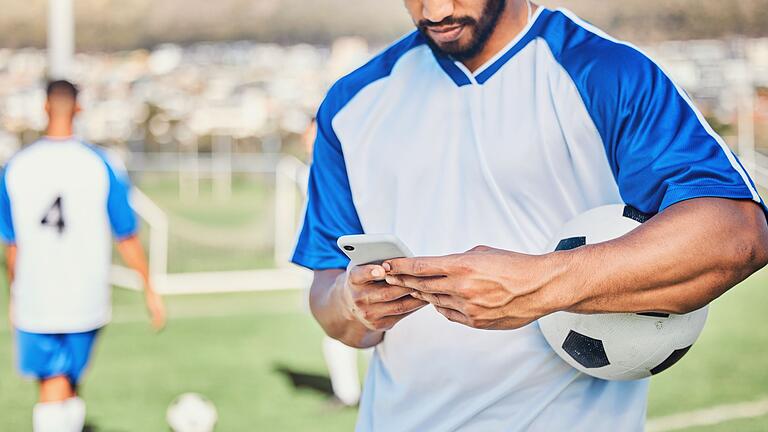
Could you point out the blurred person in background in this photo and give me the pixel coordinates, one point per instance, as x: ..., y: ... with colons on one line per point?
x: 340, y: 359
x: 61, y: 202
x: 495, y: 123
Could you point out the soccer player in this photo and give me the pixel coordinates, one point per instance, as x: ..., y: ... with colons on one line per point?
x: 494, y: 123
x: 61, y: 201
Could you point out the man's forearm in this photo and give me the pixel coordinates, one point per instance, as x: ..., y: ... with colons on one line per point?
x: 133, y: 255
x: 327, y: 307
x: 678, y: 262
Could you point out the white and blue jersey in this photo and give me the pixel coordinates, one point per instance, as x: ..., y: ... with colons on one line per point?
x: 61, y: 203
x: 562, y: 120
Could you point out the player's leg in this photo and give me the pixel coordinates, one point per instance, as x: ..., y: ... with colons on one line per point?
x: 55, y: 389
x: 80, y: 348
x: 42, y: 357
x: 342, y: 367
x: 51, y: 413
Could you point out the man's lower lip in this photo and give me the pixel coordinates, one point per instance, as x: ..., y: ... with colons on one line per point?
x: 447, y: 36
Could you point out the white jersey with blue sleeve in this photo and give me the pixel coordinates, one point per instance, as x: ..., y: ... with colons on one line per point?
x: 61, y: 203
x: 564, y: 119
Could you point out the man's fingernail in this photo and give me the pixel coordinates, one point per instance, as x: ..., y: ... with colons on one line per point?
x: 377, y: 272
x: 387, y: 266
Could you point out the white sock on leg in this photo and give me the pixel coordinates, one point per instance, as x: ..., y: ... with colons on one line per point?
x: 342, y: 367
x: 76, y: 411
x: 50, y: 417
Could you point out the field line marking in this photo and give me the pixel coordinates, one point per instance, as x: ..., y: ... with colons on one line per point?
x: 708, y: 416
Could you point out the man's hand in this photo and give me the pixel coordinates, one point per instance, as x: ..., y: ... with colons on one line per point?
x: 368, y: 299
x: 483, y: 288
x: 156, y: 308
x: 133, y: 254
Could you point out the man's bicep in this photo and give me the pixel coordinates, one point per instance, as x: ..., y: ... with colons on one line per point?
x: 322, y: 283
x: 324, y: 279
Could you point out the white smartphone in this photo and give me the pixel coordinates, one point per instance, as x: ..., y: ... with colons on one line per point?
x: 367, y: 249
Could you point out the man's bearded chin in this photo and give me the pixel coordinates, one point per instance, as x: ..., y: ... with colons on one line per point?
x: 480, y: 31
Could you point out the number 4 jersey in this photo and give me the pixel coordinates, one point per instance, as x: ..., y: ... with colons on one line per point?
x: 61, y: 202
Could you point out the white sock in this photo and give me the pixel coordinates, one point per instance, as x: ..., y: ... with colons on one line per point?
x: 50, y: 417
x: 76, y: 411
x: 342, y: 367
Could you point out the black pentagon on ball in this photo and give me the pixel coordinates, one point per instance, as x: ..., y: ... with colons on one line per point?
x: 636, y: 215
x: 587, y: 351
x: 655, y: 314
x: 671, y: 360
x: 571, y: 243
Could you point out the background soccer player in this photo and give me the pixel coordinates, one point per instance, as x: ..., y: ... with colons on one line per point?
x: 61, y: 202
x: 495, y: 123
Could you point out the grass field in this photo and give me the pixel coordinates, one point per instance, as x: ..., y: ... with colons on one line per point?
x: 233, y: 347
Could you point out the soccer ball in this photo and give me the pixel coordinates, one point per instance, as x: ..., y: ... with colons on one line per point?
x: 625, y: 346
x: 191, y: 412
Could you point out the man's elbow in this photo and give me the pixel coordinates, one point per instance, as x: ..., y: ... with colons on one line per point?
x: 751, y: 247
x: 759, y: 256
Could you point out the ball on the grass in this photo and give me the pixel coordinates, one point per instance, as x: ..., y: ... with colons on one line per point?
x: 191, y: 412
x: 625, y: 346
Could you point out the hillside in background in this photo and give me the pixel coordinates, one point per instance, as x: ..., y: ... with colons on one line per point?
x: 119, y: 24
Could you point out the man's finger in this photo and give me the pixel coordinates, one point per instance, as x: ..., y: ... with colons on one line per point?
x: 387, y: 293
x: 387, y: 323
x: 399, y: 307
x: 454, y: 316
x: 365, y: 274
x: 440, y: 300
x: 432, y: 285
x: 429, y: 266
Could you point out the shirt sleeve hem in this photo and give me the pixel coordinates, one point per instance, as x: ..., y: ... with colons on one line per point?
x: 677, y: 194
x: 126, y: 235
x: 318, y: 262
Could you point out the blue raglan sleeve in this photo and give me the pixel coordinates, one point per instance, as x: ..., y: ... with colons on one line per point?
x: 661, y: 149
x: 122, y: 217
x: 7, y: 232
x: 330, y: 211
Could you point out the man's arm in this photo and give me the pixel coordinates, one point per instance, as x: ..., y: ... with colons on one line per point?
x: 10, y: 266
x: 132, y: 252
x: 10, y: 262
x: 357, y: 307
x: 679, y: 261
x: 684, y: 258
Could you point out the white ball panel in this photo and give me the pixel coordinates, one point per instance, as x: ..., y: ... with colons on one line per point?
x: 191, y: 412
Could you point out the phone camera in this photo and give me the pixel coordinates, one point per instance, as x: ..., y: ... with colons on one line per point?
x: 349, y: 248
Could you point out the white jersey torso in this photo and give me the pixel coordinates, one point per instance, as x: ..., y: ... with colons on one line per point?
x: 563, y: 120
x: 59, y: 194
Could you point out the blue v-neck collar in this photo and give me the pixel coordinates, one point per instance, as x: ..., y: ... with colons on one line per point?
x: 461, y: 76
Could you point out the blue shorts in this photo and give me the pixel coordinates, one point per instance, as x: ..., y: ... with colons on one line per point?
x: 44, y: 356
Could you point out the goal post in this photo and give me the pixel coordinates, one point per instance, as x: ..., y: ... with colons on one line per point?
x: 290, y: 183
x: 157, y: 221
x: 61, y: 38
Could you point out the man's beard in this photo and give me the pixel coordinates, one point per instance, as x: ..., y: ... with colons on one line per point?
x: 481, y: 31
